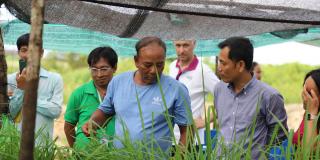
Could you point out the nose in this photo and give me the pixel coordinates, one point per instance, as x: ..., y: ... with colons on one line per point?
x: 153, y: 69
x: 219, y: 68
x: 99, y: 74
x: 180, y: 50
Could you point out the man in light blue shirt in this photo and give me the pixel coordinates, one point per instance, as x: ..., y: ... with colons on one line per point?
x: 50, y: 93
x: 245, y: 104
x: 135, y: 99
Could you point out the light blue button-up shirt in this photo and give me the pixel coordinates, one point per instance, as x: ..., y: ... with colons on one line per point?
x: 237, y: 111
x: 49, y: 102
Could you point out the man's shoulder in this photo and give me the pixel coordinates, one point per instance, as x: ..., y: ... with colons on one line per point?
x: 83, y: 87
x: 266, y: 89
x: 171, y: 82
x: 51, y: 74
x: 221, y: 86
x: 123, y: 75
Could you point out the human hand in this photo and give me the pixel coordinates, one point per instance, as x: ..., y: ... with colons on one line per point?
x: 9, y: 92
x: 87, y: 128
x: 310, y: 101
x: 22, y: 79
x: 199, y: 122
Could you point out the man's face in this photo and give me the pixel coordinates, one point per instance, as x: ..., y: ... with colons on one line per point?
x: 227, y: 68
x: 257, y: 72
x: 184, y: 49
x: 23, y: 52
x: 102, y: 72
x: 150, y: 61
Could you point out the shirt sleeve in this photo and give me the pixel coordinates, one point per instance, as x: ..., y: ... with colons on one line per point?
x: 275, y: 113
x: 72, y: 111
x: 210, y: 79
x: 182, y: 112
x: 52, y: 107
x: 107, y: 106
x: 15, y: 103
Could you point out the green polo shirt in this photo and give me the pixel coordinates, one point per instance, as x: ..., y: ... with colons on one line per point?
x: 82, y: 103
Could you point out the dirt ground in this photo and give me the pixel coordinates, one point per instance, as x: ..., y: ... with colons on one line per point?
x: 294, y: 112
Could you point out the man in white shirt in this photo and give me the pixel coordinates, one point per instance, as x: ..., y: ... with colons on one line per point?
x: 198, y: 78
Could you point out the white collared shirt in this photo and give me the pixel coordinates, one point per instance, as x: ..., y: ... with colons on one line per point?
x: 194, y: 80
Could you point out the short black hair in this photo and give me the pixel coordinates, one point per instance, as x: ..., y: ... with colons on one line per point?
x: 106, y: 53
x: 241, y: 48
x: 148, y: 40
x: 23, y: 40
x: 254, y: 64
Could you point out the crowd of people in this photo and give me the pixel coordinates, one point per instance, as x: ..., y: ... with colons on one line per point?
x: 168, y: 110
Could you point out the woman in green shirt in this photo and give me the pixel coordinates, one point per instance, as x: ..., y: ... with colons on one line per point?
x: 85, y: 100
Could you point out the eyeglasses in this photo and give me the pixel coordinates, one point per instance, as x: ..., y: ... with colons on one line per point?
x: 103, y: 70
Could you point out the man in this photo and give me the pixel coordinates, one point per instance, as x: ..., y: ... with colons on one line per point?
x: 135, y: 99
x: 198, y: 78
x: 50, y: 93
x: 256, y: 70
x: 85, y: 100
x: 244, y: 103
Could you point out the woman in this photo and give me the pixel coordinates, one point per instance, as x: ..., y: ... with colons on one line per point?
x: 310, y: 96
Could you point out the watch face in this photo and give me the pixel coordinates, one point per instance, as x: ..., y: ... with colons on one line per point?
x: 308, y: 116
x: 311, y: 117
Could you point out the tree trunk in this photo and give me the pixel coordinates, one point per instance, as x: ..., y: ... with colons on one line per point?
x: 33, y: 67
x: 4, y: 100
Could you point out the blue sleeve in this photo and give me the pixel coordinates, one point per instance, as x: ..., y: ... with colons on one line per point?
x: 182, y: 111
x: 15, y: 103
x: 276, y: 108
x: 107, y: 106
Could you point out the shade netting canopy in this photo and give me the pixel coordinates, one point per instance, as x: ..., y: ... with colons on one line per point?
x: 67, y: 39
x: 177, y: 19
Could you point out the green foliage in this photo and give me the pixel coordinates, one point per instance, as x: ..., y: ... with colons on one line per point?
x: 45, y: 149
x: 287, y: 79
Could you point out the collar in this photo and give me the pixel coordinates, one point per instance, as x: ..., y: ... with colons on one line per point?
x: 90, y: 88
x: 247, y: 87
x: 192, y: 66
x: 43, y: 73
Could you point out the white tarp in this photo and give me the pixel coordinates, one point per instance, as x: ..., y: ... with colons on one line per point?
x: 287, y: 52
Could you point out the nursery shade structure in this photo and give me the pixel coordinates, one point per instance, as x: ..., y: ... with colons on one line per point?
x: 177, y: 19
x: 67, y: 39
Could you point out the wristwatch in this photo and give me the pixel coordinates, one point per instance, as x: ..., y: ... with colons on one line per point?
x: 311, y: 116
